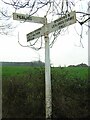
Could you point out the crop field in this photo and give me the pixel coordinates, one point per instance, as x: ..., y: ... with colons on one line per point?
x: 23, y: 89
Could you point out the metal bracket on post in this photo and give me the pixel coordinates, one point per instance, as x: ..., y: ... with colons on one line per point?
x: 48, y: 96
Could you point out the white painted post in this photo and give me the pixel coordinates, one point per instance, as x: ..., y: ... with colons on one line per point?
x: 89, y: 34
x: 48, y: 96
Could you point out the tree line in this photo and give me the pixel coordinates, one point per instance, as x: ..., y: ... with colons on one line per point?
x: 36, y: 63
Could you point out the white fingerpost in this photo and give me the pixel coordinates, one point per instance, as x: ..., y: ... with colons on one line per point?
x: 45, y: 30
x: 48, y: 96
x: 89, y: 34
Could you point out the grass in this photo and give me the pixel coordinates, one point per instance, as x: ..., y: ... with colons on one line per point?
x: 14, y: 71
x: 24, y: 92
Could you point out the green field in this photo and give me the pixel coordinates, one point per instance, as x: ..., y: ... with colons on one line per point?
x: 24, y: 92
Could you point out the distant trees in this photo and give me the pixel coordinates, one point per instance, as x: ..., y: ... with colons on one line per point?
x: 33, y: 63
x: 79, y: 65
x: 82, y: 65
x: 37, y: 63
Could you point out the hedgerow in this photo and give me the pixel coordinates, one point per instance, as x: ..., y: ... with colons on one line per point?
x: 24, y: 92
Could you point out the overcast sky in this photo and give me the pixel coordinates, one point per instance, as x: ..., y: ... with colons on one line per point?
x: 67, y: 50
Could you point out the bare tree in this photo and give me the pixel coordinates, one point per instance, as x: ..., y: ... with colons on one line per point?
x: 51, y: 9
x: 5, y: 23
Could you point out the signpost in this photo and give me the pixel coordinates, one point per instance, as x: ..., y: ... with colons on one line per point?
x: 62, y: 22
x: 66, y: 20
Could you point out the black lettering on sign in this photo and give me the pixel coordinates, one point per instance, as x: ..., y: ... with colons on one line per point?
x: 37, y: 33
x: 55, y: 25
x: 18, y: 16
x: 24, y: 17
x: 33, y: 34
x: 60, y: 22
x: 69, y: 19
x: 61, y: 26
x: 21, y: 17
x: 64, y: 17
x: 31, y: 38
x: 57, y: 20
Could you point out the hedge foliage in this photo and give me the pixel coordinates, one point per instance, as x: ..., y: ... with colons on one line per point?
x: 24, y: 92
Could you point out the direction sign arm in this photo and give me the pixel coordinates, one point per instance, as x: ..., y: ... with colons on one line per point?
x: 28, y: 18
x: 35, y: 34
